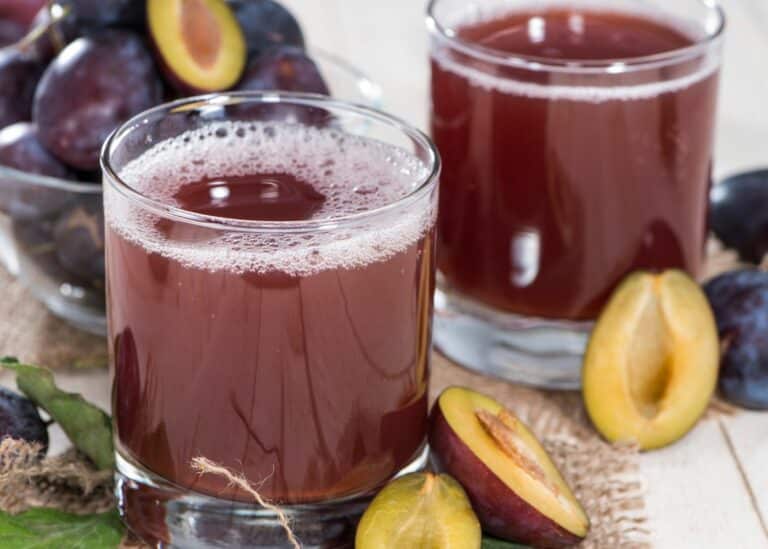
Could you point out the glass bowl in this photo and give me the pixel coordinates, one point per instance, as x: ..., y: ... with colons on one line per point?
x: 51, y: 230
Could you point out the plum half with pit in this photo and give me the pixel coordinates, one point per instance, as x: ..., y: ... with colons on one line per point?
x: 266, y: 23
x: 21, y: 149
x: 20, y: 419
x: 516, y: 491
x: 19, y: 75
x: 740, y: 303
x: 284, y: 68
x: 95, y: 83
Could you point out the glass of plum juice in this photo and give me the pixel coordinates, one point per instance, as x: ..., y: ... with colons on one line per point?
x: 270, y: 271
x: 577, y: 142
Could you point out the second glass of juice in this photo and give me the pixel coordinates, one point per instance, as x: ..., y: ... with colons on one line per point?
x: 577, y: 146
x: 271, y: 271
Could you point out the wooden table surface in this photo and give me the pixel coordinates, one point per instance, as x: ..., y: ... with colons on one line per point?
x: 711, y: 488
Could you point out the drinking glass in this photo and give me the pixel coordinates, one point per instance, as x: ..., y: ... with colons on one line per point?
x: 293, y: 351
x: 563, y: 175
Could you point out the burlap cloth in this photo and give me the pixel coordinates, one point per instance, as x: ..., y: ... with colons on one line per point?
x: 605, y: 477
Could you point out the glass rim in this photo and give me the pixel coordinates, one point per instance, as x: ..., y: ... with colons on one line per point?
x: 575, y: 66
x: 159, y: 207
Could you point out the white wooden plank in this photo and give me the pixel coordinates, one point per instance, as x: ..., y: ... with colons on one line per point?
x: 748, y: 433
x: 696, y: 496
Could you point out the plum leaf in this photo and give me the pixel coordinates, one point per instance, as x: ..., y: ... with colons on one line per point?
x: 87, y: 426
x: 42, y: 528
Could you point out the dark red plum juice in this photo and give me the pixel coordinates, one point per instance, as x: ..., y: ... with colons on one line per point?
x: 556, y: 182
x: 295, y: 354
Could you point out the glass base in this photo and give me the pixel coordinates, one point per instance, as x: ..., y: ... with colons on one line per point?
x: 163, y: 514
x: 540, y: 352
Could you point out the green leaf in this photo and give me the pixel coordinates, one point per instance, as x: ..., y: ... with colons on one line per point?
x: 493, y: 543
x: 52, y: 529
x: 87, y: 426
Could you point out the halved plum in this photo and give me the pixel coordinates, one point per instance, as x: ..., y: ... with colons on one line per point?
x: 420, y: 510
x: 651, y: 364
x: 515, y: 489
x: 200, y: 43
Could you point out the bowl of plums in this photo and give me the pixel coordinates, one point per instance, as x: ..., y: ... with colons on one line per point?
x: 71, y: 71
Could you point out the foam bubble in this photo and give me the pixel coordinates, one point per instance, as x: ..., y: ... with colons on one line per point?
x: 442, y: 55
x: 355, y: 174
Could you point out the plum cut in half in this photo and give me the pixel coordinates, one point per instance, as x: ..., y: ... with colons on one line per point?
x: 515, y: 489
x: 419, y: 510
x: 200, y: 43
x: 651, y: 364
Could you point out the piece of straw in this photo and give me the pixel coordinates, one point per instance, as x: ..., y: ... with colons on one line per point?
x: 205, y: 466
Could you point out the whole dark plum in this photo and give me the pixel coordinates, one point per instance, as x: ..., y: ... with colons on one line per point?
x: 266, y: 23
x: 34, y: 240
x: 79, y: 239
x: 20, y: 419
x: 739, y: 300
x: 10, y: 32
x: 284, y: 68
x: 95, y: 14
x: 20, y: 11
x: 20, y: 149
x: 19, y: 75
x: 739, y: 214
x: 95, y: 83
x: 51, y: 37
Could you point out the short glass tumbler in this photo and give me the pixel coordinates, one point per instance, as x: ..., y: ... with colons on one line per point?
x: 270, y: 268
x: 565, y: 167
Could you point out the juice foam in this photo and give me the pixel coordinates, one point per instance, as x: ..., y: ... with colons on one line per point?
x: 358, y: 177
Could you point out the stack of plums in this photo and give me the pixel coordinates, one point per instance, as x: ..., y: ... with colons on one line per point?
x: 71, y: 71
